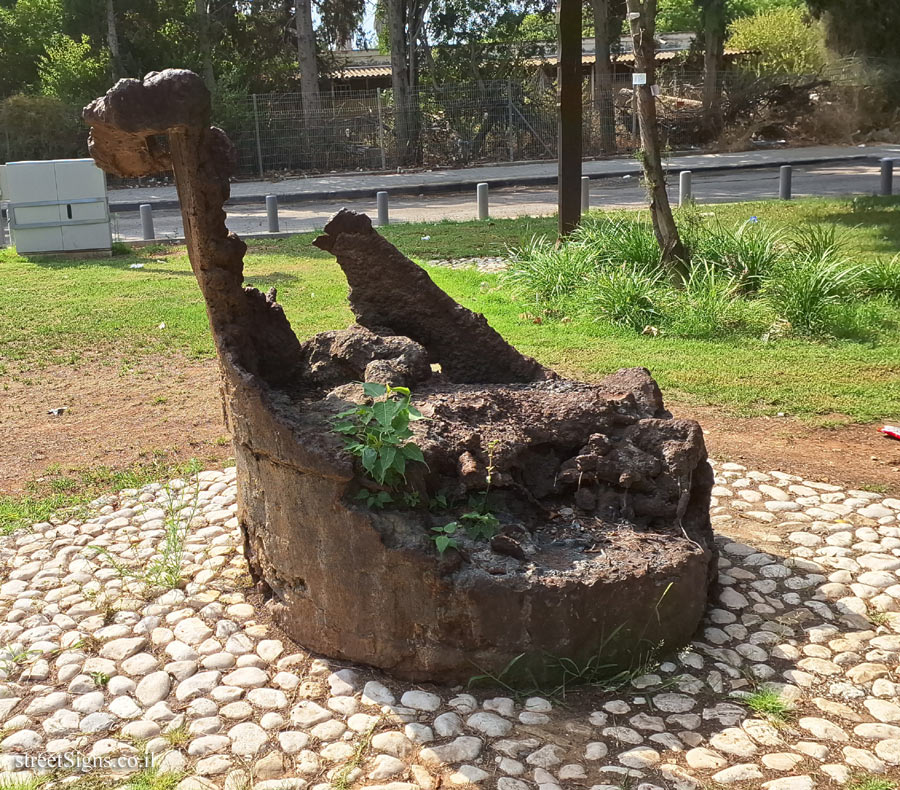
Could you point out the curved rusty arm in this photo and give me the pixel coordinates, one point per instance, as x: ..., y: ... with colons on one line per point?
x: 162, y: 123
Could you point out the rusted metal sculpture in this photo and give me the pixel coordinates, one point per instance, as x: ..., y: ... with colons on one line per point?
x: 601, y: 499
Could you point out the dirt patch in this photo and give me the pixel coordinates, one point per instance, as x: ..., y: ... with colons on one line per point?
x: 855, y: 456
x: 118, y: 413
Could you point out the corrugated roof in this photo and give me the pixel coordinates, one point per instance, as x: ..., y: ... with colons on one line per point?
x: 372, y: 71
x: 360, y: 71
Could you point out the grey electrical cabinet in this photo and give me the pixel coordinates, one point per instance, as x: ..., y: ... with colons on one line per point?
x: 56, y: 206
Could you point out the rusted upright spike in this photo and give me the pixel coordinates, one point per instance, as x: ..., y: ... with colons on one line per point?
x: 463, y: 342
x: 162, y: 123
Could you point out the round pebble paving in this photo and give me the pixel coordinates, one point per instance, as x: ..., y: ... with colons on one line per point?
x: 792, y: 682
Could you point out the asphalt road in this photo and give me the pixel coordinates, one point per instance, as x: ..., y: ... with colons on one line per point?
x: 837, y: 179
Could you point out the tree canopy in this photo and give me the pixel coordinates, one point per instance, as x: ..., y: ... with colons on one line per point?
x: 67, y: 49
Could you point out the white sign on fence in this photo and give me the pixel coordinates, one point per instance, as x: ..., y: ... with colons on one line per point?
x: 639, y: 78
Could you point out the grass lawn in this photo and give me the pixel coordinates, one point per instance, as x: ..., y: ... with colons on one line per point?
x: 55, y: 311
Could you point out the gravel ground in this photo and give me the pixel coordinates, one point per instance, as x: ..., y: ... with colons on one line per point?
x: 98, y: 662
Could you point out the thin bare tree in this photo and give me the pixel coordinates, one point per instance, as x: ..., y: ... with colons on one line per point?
x: 607, y: 20
x: 642, y: 19
x: 713, y: 54
x: 112, y: 40
x: 306, y: 55
x: 201, y: 9
x: 406, y: 19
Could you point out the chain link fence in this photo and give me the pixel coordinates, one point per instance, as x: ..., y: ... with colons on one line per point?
x: 446, y: 126
x: 451, y: 126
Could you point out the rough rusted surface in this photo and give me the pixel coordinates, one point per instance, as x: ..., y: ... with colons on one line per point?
x: 358, y: 354
x: 601, y: 498
x: 390, y: 292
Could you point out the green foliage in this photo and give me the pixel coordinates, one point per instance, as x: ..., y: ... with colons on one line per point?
x: 375, y: 500
x: 870, y: 782
x: 680, y: 16
x: 25, y: 28
x: 14, y: 658
x: 165, y: 569
x: 539, y: 271
x: 866, y: 28
x: 628, y: 241
x: 58, y: 492
x: 768, y: 703
x: 610, y: 270
x: 477, y: 525
x: 707, y: 304
x: 151, y: 778
x: 789, y: 42
x: 40, y: 127
x: 627, y: 295
x: 806, y: 291
x: 749, y: 374
x: 480, y: 525
x: 883, y: 277
x: 14, y: 782
x: 71, y: 71
x: 747, y: 254
x: 177, y: 736
x: 819, y: 241
x: 443, y: 537
x: 378, y: 433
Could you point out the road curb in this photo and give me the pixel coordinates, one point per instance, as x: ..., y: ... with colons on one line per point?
x: 463, y: 186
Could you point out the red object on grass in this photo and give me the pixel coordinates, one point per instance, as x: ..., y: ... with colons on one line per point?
x: 891, y: 431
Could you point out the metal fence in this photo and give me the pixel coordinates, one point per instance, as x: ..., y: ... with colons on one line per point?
x: 454, y: 125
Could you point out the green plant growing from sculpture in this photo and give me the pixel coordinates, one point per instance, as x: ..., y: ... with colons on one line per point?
x: 378, y: 435
x: 479, y: 523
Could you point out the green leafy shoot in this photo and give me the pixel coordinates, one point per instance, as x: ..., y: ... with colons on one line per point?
x: 443, y: 537
x: 375, y: 500
x: 378, y: 433
x: 480, y: 525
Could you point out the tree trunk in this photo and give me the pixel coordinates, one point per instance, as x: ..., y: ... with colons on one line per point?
x: 112, y: 40
x: 604, y: 103
x: 714, y: 33
x: 202, y: 11
x: 401, y: 68
x: 642, y: 17
x: 306, y: 56
x: 570, y: 111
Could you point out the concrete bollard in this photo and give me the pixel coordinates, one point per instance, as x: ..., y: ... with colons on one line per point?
x: 585, y: 194
x: 887, y: 177
x: 481, y: 194
x: 272, y: 213
x: 381, y: 201
x: 147, y: 230
x: 784, y: 182
x: 684, y: 188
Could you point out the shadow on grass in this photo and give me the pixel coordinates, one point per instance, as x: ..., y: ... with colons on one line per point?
x: 880, y: 213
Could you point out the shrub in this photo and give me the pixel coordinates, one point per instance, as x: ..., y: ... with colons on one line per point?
x: 883, y: 278
x: 708, y: 304
x: 748, y: 253
x: 41, y: 127
x: 620, y: 241
x: 627, y: 296
x: 806, y: 291
x: 548, y: 274
x: 788, y: 41
x: 71, y: 70
x: 819, y: 241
